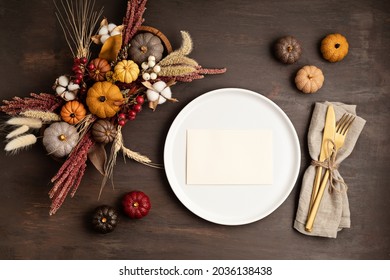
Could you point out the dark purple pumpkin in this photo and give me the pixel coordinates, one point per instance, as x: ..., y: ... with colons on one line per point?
x: 288, y: 50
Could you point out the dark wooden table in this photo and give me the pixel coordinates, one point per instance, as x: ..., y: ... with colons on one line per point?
x: 235, y: 34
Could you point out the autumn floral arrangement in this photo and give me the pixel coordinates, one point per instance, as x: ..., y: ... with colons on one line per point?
x: 135, y: 66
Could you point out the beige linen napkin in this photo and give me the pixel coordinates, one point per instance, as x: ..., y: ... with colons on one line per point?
x: 333, y: 213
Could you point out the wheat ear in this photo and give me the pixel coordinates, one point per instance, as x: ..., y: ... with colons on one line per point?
x: 46, y: 117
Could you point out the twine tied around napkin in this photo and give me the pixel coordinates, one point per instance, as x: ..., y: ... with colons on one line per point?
x: 334, y: 213
x: 331, y: 165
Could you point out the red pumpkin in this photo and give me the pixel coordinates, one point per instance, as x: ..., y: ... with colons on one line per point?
x: 136, y: 204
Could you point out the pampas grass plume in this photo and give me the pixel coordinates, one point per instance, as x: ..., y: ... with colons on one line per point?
x: 20, y: 142
x: 18, y: 131
x: 30, y: 122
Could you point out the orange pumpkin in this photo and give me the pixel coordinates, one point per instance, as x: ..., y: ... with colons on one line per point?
x: 334, y: 47
x: 104, y: 99
x: 73, y: 112
x: 98, y: 69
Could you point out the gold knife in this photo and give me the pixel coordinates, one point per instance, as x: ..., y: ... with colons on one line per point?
x: 326, y: 146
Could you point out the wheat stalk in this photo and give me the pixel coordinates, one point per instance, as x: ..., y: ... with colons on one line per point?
x: 78, y: 22
x: 46, y: 117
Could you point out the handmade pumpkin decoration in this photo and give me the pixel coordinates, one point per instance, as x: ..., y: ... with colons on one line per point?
x: 73, y: 112
x: 136, y: 204
x: 98, y: 68
x: 334, y: 47
x: 104, y: 99
x: 105, y: 219
x: 144, y: 45
x: 103, y: 131
x: 126, y: 71
x: 288, y: 50
x: 60, y: 138
x: 309, y: 79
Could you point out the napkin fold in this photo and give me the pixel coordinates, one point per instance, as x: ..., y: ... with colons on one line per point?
x: 334, y: 213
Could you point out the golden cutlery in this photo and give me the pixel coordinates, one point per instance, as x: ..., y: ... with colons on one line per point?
x: 342, y: 128
x: 326, y: 145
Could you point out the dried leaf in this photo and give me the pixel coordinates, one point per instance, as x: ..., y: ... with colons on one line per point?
x: 111, y: 48
x: 97, y: 155
x: 148, y: 85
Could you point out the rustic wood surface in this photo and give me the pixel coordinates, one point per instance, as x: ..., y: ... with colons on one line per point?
x: 235, y: 34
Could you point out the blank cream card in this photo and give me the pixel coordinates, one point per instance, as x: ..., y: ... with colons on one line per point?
x: 229, y: 157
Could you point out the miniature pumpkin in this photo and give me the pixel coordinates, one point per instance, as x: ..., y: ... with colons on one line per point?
x: 126, y: 71
x: 105, y: 219
x: 104, y: 99
x: 136, y: 204
x: 73, y: 112
x: 60, y: 138
x: 288, y: 50
x: 144, y: 45
x: 103, y: 131
x: 309, y: 79
x: 334, y: 47
x: 98, y: 68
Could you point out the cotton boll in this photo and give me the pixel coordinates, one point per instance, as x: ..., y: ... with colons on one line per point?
x: 103, y: 30
x: 111, y: 27
x: 69, y: 96
x: 73, y: 86
x: 60, y: 90
x: 152, y: 95
x: 165, y: 94
x: 116, y: 32
x: 104, y: 38
x: 159, y: 86
x: 63, y: 81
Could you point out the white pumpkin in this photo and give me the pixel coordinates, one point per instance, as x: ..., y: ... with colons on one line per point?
x: 60, y: 138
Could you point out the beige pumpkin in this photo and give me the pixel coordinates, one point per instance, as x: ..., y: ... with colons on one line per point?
x: 126, y: 71
x: 309, y: 79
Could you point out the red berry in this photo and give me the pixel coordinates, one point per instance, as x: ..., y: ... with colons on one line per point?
x: 79, y: 76
x: 83, y: 60
x: 137, y: 108
x: 76, y: 61
x: 77, y: 81
x: 132, y: 113
x: 91, y: 66
x: 131, y: 118
x: 122, y: 122
x: 136, y: 204
x: 121, y: 116
x: 140, y: 100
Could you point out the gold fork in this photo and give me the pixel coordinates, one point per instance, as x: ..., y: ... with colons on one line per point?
x: 342, y: 128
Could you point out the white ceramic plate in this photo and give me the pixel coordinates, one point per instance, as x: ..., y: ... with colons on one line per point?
x: 233, y: 108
